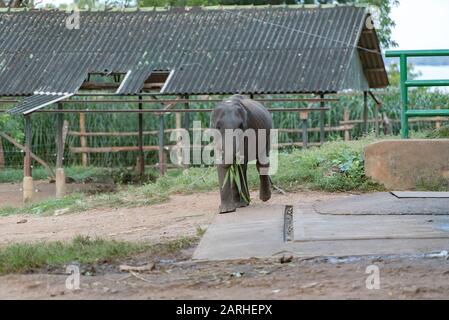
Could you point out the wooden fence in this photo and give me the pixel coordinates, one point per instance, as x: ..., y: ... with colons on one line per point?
x: 345, y: 126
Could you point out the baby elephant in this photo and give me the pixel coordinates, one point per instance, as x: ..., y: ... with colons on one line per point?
x: 250, y: 124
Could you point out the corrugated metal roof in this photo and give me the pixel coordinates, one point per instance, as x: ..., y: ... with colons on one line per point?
x: 37, y: 101
x: 269, y: 50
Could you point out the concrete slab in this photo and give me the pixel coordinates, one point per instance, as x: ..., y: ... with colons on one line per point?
x: 419, y: 194
x: 406, y: 164
x: 250, y: 232
x: 384, y: 203
x: 375, y: 246
x: 259, y: 231
x: 316, y: 227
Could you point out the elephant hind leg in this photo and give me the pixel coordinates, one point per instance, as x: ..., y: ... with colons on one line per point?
x: 265, y: 183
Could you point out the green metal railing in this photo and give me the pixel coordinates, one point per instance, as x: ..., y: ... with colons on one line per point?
x: 406, y: 84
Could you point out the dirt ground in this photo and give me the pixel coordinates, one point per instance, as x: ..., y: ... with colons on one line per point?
x: 181, y: 216
x: 11, y: 193
x: 400, y: 278
x: 176, y: 276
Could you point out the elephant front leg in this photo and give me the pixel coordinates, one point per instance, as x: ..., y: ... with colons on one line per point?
x: 241, y: 201
x: 227, y: 192
x: 265, y: 183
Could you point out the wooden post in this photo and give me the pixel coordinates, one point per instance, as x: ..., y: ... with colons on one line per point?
x: 2, y: 156
x: 140, y: 140
x: 83, y: 139
x: 322, y: 120
x: 437, y: 123
x: 161, y: 145
x: 27, y: 160
x: 365, y: 112
x: 346, y: 120
x: 60, y: 176
x: 186, y: 127
x: 305, y: 139
x: 28, y: 188
x: 59, y: 137
x: 376, y: 119
x: 179, y: 157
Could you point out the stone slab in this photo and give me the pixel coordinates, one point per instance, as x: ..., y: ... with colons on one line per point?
x: 316, y: 227
x: 249, y: 232
x: 362, y: 247
x: 258, y: 232
x: 383, y: 203
x: 419, y: 194
x: 406, y: 164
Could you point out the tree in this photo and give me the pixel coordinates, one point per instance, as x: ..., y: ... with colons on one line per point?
x: 13, y: 3
x: 394, y: 74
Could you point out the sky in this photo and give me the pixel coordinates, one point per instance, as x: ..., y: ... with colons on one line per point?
x: 421, y: 24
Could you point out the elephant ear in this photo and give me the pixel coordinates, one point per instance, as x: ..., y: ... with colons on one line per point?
x: 244, y: 113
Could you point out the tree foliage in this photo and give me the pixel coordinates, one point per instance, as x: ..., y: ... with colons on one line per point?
x: 394, y: 74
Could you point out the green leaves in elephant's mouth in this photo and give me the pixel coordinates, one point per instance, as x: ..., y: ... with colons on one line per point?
x: 236, y: 175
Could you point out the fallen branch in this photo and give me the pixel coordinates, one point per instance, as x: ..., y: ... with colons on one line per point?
x: 139, y: 277
x: 131, y: 269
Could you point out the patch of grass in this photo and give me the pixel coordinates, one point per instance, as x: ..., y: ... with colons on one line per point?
x: 336, y: 166
x: 9, y: 175
x: 24, y: 257
x: 18, y: 258
x: 77, y: 173
x: 441, y: 133
x: 81, y: 174
x: 432, y: 183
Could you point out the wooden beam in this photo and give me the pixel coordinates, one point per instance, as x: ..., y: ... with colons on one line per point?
x: 374, y: 70
x: 322, y: 119
x: 161, y: 145
x: 161, y: 111
x: 111, y: 149
x: 60, y: 137
x: 346, y: 118
x: 2, y: 156
x: 365, y: 112
x: 140, y: 139
x: 83, y: 140
x: 186, y: 127
x: 27, y: 157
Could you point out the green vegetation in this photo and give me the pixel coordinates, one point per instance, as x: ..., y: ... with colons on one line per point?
x: 44, y: 134
x: 336, y: 166
x: 441, y: 133
x: 26, y: 257
x: 76, y: 173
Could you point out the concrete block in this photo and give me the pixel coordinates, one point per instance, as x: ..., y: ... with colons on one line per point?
x: 406, y: 164
x: 28, y: 189
x: 60, y: 183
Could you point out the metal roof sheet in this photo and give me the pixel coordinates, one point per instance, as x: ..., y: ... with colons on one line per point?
x: 37, y: 101
x: 269, y: 50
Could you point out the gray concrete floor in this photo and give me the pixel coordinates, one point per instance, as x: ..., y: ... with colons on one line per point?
x: 373, y: 224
